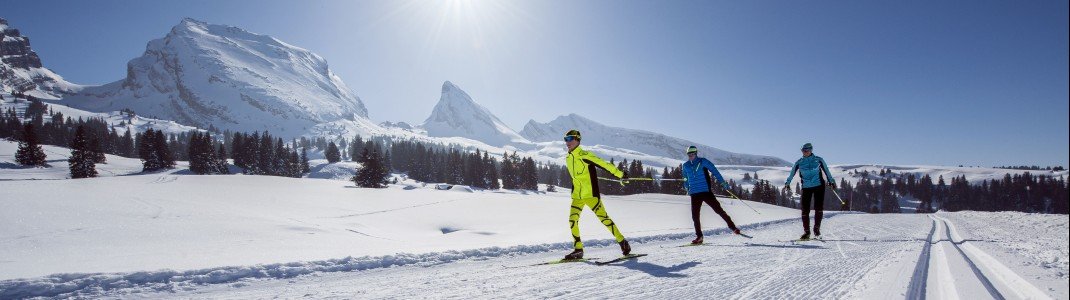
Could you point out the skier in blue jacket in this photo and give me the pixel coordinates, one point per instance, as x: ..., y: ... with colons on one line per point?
x: 697, y: 181
x: 810, y: 168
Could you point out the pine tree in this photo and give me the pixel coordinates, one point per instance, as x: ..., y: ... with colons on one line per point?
x: 508, y: 173
x: 358, y: 143
x: 237, y: 150
x: 82, y: 160
x: 221, y: 160
x: 30, y: 152
x: 281, y: 161
x: 266, y: 155
x: 305, y: 167
x: 144, y: 150
x: 492, y: 172
x: 388, y: 162
x: 925, y: 194
x: 202, y: 157
x: 332, y: 153
x: 528, y: 174
x: 371, y: 174
x: 126, y: 145
x: 167, y: 157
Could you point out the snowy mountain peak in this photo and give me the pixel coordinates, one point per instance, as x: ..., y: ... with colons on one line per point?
x: 597, y: 134
x: 457, y: 115
x: 207, y: 74
x: 21, y: 69
x: 448, y: 86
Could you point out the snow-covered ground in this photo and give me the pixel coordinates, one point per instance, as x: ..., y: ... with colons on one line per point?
x: 172, y: 234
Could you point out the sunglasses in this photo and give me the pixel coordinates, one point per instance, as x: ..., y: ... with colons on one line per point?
x: 569, y: 138
x: 807, y: 150
x: 692, y: 153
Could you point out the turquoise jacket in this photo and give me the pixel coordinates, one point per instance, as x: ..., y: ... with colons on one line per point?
x: 810, y: 168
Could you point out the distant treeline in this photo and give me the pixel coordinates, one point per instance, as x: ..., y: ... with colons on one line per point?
x: 263, y: 154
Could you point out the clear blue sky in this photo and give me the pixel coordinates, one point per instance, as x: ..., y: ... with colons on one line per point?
x: 898, y: 82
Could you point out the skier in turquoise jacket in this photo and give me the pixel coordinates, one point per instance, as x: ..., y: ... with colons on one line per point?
x: 811, y: 168
x: 697, y: 176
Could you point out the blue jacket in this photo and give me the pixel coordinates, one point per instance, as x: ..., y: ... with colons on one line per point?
x: 810, y: 168
x: 696, y: 176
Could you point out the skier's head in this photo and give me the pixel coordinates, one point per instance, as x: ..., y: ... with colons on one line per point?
x: 572, y: 139
x: 807, y: 149
x: 692, y: 152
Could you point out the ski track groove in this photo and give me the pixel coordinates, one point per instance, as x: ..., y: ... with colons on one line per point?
x: 980, y: 262
x: 917, y: 287
x: 973, y: 266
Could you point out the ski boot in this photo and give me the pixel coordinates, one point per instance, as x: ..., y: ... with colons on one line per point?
x: 697, y: 241
x: 625, y: 248
x: 577, y: 254
x: 805, y: 237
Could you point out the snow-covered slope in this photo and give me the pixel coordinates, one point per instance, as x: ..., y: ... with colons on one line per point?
x: 234, y: 236
x: 457, y: 115
x: 176, y: 221
x: 21, y: 69
x: 647, y: 142
x: 204, y: 74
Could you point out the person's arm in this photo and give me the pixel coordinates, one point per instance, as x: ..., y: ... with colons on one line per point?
x: 687, y: 172
x: 591, y: 158
x: 794, y: 168
x: 709, y: 165
x: 828, y: 174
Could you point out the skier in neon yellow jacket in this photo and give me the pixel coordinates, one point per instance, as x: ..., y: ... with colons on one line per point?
x: 582, y: 167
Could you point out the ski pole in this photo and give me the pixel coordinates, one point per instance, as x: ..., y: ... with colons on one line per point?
x: 838, y: 197
x: 629, y: 179
x: 741, y: 201
x: 623, y: 181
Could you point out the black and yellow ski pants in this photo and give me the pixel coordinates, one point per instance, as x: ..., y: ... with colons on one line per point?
x: 595, y: 203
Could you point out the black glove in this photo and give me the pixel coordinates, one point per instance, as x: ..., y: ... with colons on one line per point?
x: 832, y: 185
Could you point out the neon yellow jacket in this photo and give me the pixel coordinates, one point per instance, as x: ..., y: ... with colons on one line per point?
x: 582, y: 166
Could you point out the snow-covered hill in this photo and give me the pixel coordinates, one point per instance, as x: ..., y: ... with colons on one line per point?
x: 643, y: 141
x: 121, y: 121
x: 457, y: 115
x: 21, y: 69
x: 204, y: 74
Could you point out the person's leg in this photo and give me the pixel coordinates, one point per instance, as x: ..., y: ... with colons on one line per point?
x: 711, y: 200
x: 696, y: 206
x: 805, y: 201
x: 574, y: 222
x: 819, y: 208
x: 600, y: 212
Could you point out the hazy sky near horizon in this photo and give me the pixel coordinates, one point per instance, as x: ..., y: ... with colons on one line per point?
x: 896, y: 82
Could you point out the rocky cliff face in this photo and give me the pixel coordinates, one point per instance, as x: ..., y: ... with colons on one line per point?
x: 21, y: 70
